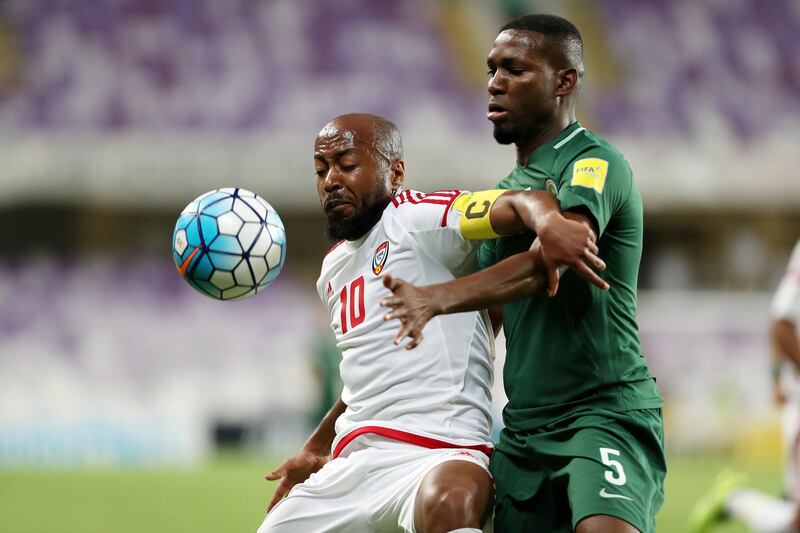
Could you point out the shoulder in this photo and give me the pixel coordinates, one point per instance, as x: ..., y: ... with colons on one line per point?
x: 414, y: 208
x: 409, y: 198
x: 333, y: 249
x: 595, y: 160
x: 333, y: 255
x: 590, y: 145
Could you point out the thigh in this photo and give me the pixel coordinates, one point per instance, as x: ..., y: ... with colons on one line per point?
x: 617, y: 469
x: 329, y: 501
x: 458, y: 491
x: 526, y: 498
x: 413, y: 470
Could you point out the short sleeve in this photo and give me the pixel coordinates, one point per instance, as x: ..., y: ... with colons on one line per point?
x: 430, y: 221
x: 786, y: 302
x: 598, y: 180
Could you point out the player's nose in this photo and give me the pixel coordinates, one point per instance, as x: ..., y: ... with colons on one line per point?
x: 496, y: 84
x: 332, y: 180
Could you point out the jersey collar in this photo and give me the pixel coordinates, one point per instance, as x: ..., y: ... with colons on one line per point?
x: 556, y: 142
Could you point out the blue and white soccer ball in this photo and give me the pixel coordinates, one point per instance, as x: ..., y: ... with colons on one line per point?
x: 229, y: 244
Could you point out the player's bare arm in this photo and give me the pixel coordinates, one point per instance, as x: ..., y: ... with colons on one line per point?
x: 564, y: 240
x: 314, y: 454
x: 785, y: 341
x: 785, y: 347
x: 515, y: 278
x: 520, y: 276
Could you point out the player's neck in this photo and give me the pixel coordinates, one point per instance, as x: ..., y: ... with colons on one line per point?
x: 545, y: 135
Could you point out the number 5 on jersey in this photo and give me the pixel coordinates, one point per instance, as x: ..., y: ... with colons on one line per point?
x: 353, y: 294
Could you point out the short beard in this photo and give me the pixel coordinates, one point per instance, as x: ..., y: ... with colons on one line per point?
x: 356, y: 226
x: 526, y: 128
x: 505, y: 135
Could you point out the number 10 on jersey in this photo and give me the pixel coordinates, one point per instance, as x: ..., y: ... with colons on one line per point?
x: 353, y: 293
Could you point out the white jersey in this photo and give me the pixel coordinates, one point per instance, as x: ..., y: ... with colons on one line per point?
x: 437, y: 394
x: 786, y: 306
x: 786, y: 302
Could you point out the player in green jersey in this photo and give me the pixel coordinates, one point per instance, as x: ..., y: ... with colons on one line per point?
x: 582, y: 447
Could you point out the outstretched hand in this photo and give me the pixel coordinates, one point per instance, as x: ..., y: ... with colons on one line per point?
x: 409, y: 304
x: 294, y: 470
x: 573, y: 244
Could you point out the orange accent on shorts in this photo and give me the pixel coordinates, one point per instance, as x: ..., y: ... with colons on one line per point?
x: 185, y: 265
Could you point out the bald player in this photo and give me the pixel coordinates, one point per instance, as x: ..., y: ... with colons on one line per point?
x: 582, y: 447
x: 407, y: 446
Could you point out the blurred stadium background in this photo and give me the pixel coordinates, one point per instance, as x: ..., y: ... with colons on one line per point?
x: 128, y: 402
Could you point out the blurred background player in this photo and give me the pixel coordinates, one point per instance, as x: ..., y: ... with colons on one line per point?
x: 582, y: 447
x: 409, y: 440
x: 730, y: 498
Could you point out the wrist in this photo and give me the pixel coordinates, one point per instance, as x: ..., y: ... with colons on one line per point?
x: 439, y: 301
x: 320, y: 447
x: 546, y: 222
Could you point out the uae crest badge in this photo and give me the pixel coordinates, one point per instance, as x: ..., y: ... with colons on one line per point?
x: 379, y: 259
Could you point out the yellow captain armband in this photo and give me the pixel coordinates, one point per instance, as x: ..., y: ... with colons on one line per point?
x: 475, y: 208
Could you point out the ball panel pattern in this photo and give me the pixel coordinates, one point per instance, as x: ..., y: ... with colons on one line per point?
x: 229, y: 244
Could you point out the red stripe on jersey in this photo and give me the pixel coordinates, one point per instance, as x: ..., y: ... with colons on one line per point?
x: 400, y: 199
x: 444, y: 198
x: 447, y: 209
x: 404, y: 436
x: 333, y: 247
x: 415, y: 198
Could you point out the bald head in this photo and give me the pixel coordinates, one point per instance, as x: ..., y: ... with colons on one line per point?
x: 359, y: 167
x: 372, y: 131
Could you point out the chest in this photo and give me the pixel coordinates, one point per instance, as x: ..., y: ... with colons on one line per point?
x: 354, y: 284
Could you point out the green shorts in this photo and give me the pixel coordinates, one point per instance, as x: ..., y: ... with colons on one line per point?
x: 590, y: 462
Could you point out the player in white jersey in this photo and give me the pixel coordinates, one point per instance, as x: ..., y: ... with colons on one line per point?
x: 409, y: 439
x: 731, y: 498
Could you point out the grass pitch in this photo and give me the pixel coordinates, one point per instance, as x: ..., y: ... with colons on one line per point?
x: 230, y: 495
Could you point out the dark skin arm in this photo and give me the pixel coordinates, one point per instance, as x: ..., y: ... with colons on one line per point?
x: 564, y: 239
x: 784, y: 341
x: 314, y: 454
x: 785, y: 346
x: 520, y: 276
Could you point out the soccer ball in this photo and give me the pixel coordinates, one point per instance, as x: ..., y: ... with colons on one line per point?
x: 229, y: 244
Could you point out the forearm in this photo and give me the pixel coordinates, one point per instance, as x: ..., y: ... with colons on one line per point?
x: 517, y: 211
x: 520, y: 276
x: 321, y: 440
x: 785, y: 342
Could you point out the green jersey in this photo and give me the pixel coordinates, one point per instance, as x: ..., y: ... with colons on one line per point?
x: 581, y: 348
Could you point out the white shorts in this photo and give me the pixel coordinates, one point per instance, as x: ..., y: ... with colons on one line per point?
x: 373, y: 489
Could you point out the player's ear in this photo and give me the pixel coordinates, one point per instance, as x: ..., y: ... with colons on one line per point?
x: 567, y: 80
x: 397, y: 174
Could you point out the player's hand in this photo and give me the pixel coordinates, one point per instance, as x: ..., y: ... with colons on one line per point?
x: 572, y: 244
x: 294, y: 470
x: 409, y: 304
